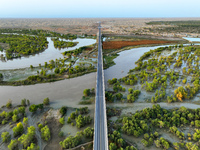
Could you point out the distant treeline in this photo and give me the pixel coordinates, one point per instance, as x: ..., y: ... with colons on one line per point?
x: 177, y: 26
x: 39, y: 33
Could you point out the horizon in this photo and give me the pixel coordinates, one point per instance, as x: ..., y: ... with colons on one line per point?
x: 103, y: 9
x: 101, y: 18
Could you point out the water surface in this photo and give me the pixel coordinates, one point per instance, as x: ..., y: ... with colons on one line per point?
x: 51, y: 53
x: 192, y: 39
x: 126, y: 61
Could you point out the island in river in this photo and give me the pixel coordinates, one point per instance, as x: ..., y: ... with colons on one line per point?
x: 145, y: 76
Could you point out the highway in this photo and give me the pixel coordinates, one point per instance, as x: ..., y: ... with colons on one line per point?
x: 100, y: 127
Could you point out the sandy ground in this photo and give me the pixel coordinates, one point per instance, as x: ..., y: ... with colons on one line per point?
x: 89, y: 25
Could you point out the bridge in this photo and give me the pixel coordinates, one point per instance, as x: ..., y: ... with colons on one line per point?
x: 100, y: 121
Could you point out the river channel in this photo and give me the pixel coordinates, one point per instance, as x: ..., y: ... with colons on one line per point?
x: 69, y: 92
x: 51, y: 53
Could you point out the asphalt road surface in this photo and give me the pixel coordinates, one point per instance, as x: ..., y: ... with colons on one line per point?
x: 100, y: 129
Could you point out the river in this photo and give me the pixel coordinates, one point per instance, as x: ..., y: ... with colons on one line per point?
x: 51, y: 53
x: 70, y: 91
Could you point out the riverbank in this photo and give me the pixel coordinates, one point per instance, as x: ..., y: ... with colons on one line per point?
x: 65, y: 92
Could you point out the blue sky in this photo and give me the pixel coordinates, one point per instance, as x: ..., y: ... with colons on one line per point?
x: 98, y: 8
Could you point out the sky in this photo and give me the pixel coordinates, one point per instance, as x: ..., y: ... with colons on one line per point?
x: 98, y: 8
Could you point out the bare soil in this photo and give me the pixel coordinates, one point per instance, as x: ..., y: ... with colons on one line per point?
x: 4, y: 45
x: 121, y: 44
x: 79, y: 26
x: 54, y: 127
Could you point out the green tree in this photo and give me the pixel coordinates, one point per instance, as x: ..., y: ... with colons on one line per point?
x: 69, y: 120
x: 57, y: 70
x: 62, y: 120
x: 88, y: 132
x: 31, y: 66
x: 63, y: 110
x: 25, y: 121
x: 79, y: 121
x: 33, y: 147
x: 40, y: 106
x: 28, y: 102
x: 130, y: 90
x: 1, y: 76
x: 13, y: 145
x: 5, y: 136
x: 21, y: 110
x: 46, y: 101
x: 119, y: 96
x: 23, y: 102
x: 18, y: 130
x: 26, y: 139
x: 33, y: 108
x: 9, y: 104
x: 15, y: 112
x: 40, y: 126
x: 14, y: 118
x: 45, y: 133
x: 86, y: 92
x: 112, y: 146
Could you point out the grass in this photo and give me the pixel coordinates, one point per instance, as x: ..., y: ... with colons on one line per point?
x: 108, y: 60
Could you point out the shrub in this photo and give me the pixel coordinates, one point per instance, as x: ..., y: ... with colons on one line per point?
x: 27, y: 139
x: 18, y: 130
x: 86, y: 92
x: 14, y: 118
x: 23, y: 102
x: 45, y: 133
x: 46, y: 101
x: 33, y: 147
x: 62, y: 120
x: 184, y: 80
x: 9, y: 104
x: 40, y: 126
x: 69, y: 120
x: 28, y: 102
x: 61, y: 134
x: 25, y: 121
x: 5, y: 136
x: 1, y: 75
x: 13, y: 144
x: 57, y: 70
x: 33, y: 108
x: 31, y: 66
x: 21, y: 109
x: 88, y: 132
x: 63, y: 110
x: 40, y: 106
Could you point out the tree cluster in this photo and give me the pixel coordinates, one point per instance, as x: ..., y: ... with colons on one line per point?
x: 71, y: 142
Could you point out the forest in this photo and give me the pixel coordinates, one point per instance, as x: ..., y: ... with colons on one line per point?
x: 144, y: 124
x: 178, y: 71
x: 23, y: 45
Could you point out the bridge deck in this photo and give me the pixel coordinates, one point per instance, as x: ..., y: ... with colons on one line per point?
x: 100, y: 127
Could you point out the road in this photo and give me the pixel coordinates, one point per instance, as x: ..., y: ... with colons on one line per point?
x: 100, y: 127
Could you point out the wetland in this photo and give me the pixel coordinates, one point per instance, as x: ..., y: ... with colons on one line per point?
x: 153, y: 90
